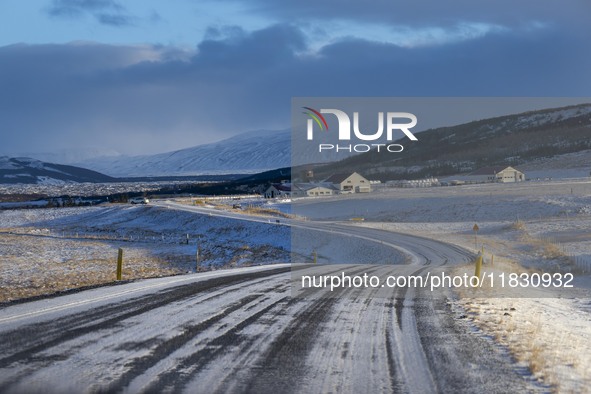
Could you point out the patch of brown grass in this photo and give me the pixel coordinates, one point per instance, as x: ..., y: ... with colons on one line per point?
x: 266, y: 211
x: 518, y: 225
x: 47, y: 280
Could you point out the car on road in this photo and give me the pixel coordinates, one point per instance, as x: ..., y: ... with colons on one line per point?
x: 139, y: 200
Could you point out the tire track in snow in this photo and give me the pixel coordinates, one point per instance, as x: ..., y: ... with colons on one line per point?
x: 177, y: 376
x: 299, y: 355
x: 26, y: 345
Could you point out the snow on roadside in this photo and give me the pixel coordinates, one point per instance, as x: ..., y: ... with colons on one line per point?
x: 549, y: 336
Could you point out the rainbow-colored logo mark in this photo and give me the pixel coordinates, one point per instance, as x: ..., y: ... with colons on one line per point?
x: 317, y: 116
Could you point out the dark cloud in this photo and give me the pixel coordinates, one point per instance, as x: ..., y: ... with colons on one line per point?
x: 114, y: 19
x: 158, y: 98
x: 425, y: 12
x: 155, y: 17
x: 106, y: 12
x: 76, y: 7
x: 261, y: 48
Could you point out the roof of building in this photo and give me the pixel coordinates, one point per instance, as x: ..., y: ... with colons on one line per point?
x: 284, y: 187
x: 339, y: 178
x: 491, y: 170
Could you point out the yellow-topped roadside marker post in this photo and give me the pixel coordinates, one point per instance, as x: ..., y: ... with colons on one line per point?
x: 119, y: 264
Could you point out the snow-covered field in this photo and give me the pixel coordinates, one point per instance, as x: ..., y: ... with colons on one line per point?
x: 529, y: 226
x: 562, y: 166
x: 87, y: 189
x: 481, y: 203
x: 46, y: 250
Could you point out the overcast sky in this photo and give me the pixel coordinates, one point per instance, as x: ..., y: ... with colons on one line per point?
x: 146, y: 76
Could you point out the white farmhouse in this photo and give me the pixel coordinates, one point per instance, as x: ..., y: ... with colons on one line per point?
x: 349, y: 183
x: 496, y: 174
x: 317, y: 189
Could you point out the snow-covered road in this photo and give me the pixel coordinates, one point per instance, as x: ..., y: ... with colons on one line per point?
x: 243, y: 331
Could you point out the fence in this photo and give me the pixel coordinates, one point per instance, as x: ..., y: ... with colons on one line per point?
x: 168, y: 238
x: 581, y: 261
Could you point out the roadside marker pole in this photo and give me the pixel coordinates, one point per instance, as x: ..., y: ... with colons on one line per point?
x: 119, y: 263
x: 478, y: 267
x: 198, y: 255
x: 492, y: 259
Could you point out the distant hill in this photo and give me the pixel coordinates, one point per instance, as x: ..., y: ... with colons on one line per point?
x: 245, y: 153
x: 30, y: 171
x: 254, y: 183
x: 521, y: 139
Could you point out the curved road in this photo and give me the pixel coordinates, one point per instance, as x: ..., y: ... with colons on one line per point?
x: 243, y: 331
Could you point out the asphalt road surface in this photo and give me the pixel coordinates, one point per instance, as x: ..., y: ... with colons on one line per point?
x: 243, y: 331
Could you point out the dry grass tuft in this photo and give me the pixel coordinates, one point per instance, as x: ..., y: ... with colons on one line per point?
x: 518, y: 225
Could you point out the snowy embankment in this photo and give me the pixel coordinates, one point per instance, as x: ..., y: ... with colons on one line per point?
x: 48, y: 250
x: 531, y: 226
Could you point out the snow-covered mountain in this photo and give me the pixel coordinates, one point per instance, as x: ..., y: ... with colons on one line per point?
x: 245, y: 153
x: 27, y: 170
x: 69, y: 156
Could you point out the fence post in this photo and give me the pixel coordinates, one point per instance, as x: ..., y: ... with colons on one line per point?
x: 198, y: 257
x: 119, y: 263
